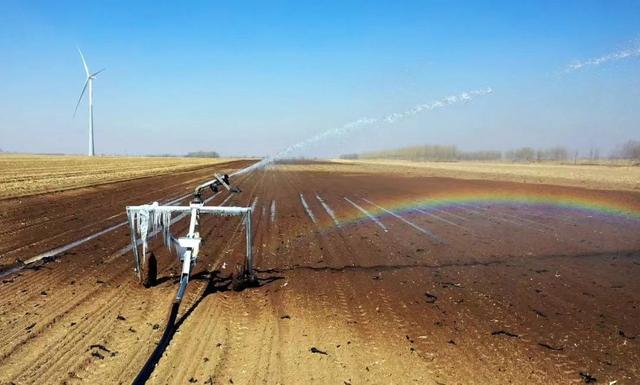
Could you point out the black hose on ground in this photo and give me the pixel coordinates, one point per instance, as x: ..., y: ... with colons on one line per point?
x: 153, y: 359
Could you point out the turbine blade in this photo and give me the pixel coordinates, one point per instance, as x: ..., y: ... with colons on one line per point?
x: 95, y: 73
x: 84, y: 63
x: 81, y: 95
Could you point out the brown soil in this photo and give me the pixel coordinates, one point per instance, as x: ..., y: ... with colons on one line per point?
x: 505, y: 294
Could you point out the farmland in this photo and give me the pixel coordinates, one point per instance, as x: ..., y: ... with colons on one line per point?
x: 608, y: 175
x: 367, y: 275
x: 22, y: 175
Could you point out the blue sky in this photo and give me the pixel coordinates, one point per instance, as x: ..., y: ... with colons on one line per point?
x: 251, y: 78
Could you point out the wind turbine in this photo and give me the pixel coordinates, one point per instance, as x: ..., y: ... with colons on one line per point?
x: 88, y: 82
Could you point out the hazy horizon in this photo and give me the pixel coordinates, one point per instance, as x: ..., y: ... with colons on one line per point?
x: 256, y: 78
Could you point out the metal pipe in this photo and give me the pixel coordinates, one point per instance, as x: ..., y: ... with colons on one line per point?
x: 194, y: 221
x: 219, y: 210
x: 249, y: 256
x: 184, y: 280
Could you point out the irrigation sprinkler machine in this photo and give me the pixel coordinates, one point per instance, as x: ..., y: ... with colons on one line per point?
x: 146, y: 221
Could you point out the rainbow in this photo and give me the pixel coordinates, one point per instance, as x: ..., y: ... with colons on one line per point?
x: 594, y: 205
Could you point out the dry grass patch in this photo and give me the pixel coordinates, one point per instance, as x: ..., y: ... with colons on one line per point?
x: 22, y: 175
x: 606, y: 176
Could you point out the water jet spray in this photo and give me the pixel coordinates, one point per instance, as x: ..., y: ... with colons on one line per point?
x: 364, y: 122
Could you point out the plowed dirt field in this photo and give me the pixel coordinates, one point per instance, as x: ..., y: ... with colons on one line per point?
x: 364, y: 278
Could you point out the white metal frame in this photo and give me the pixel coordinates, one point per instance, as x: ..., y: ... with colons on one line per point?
x: 159, y: 217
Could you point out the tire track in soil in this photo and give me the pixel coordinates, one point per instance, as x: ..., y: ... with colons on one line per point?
x: 405, y: 336
x: 215, y: 347
x: 262, y: 328
x: 311, y: 301
x: 366, y: 325
x: 131, y: 348
x: 499, y: 316
x: 236, y: 326
x: 495, y: 316
x: 73, y: 348
x: 202, y: 327
x: 233, y: 245
x: 254, y: 315
x: 62, y: 306
x: 321, y: 338
x: 78, y: 302
x: 352, y: 347
x: 189, y: 350
x: 69, y: 346
x: 281, y: 311
x: 309, y: 313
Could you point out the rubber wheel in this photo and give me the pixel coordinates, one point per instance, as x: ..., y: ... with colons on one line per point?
x: 150, y: 271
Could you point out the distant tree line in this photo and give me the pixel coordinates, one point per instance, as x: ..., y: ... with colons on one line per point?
x: 203, y: 154
x: 450, y: 153
x: 419, y: 153
x: 195, y: 154
x: 629, y: 150
x: 479, y: 155
x: 437, y: 153
x: 528, y: 154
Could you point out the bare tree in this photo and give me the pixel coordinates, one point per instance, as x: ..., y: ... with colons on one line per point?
x: 631, y: 150
x: 558, y: 153
x: 524, y: 154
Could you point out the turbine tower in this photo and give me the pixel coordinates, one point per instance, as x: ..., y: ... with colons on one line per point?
x: 88, y: 82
